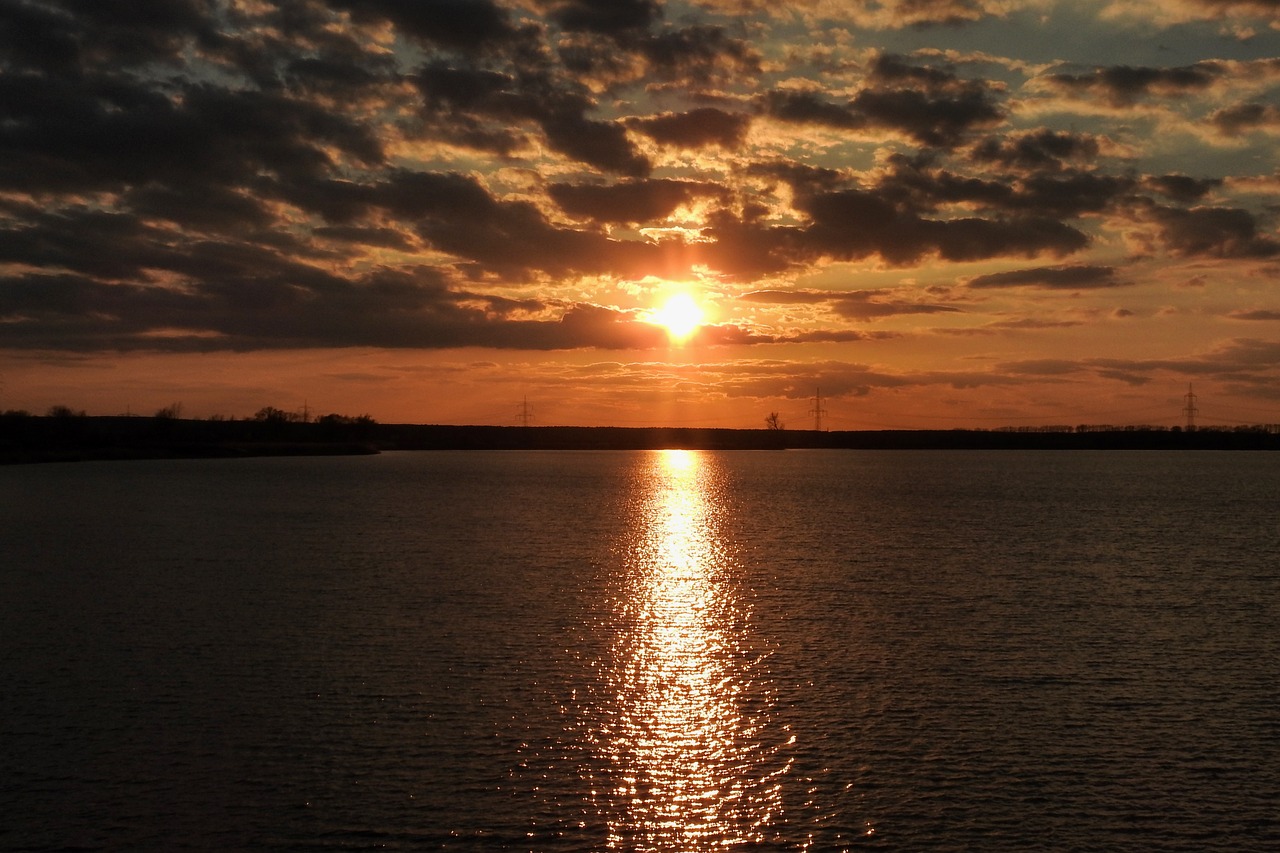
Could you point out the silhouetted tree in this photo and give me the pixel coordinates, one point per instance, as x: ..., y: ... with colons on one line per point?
x: 774, y: 422
x: 274, y: 415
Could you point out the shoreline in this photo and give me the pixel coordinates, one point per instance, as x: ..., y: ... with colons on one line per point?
x: 32, y: 439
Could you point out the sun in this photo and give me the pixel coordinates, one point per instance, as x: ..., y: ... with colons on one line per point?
x: 680, y: 316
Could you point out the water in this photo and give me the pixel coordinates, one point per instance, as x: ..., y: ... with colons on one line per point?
x: 672, y: 651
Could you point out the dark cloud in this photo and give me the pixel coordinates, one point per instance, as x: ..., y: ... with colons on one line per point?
x: 1243, y: 118
x: 680, y: 61
x: 466, y: 25
x: 852, y: 224
x: 932, y: 120
x: 197, y: 174
x: 931, y: 106
x: 1125, y: 85
x: 386, y: 309
x: 1216, y: 232
x: 1070, y: 193
x: 1062, y: 193
x: 216, y: 209
x: 699, y: 128
x: 1182, y: 188
x: 68, y: 36
x: 104, y: 134
x: 856, y: 305
x: 1039, y: 150
x: 457, y: 215
x: 834, y: 336
x: 698, y: 54
x: 481, y: 103
x: 802, y: 178
x: 605, y: 16
x: 1076, y: 277
x: 630, y: 201
x: 602, y: 144
x: 606, y: 328
x: 894, y: 71
x: 873, y: 306
x: 386, y: 237
x: 745, y: 248
x: 810, y: 107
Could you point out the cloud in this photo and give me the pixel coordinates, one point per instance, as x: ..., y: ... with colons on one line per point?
x: 789, y: 297
x: 632, y: 201
x: 1167, y: 13
x: 864, y: 306
x: 1217, y: 232
x: 68, y: 37
x: 854, y: 305
x: 1040, y: 150
x: 612, y: 44
x: 1242, y: 360
x: 1240, y: 119
x: 480, y: 104
x: 852, y: 224
x: 1182, y: 187
x: 385, y: 309
x: 698, y: 128
x: 1075, y: 277
x: 464, y: 25
x: 614, y: 17
x: 882, y: 15
x: 475, y: 173
x: 1125, y: 85
x: 1254, y: 315
x: 931, y: 106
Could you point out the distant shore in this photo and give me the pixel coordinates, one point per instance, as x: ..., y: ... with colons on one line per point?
x: 30, y: 439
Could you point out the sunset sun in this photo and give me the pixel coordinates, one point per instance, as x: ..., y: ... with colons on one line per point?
x: 680, y: 315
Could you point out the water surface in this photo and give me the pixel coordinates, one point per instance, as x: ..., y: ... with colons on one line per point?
x: 643, y: 651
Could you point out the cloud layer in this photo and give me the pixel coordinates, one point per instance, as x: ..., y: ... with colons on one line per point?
x: 530, y: 175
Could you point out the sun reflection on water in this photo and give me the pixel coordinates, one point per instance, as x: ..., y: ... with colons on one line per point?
x: 690, y: 767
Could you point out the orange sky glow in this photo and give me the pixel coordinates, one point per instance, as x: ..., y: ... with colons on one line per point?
x: 957, y: 213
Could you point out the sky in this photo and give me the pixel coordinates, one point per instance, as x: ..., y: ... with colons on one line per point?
x: 912, y: 213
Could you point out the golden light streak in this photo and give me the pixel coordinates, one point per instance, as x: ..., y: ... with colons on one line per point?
x: 689, y: 769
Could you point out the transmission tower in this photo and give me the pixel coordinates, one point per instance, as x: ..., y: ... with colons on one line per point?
x: 1190, y: 409
x: 525, y: 414
x: 817, y: 411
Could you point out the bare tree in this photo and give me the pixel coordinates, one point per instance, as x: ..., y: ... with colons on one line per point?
x: 774, y: 422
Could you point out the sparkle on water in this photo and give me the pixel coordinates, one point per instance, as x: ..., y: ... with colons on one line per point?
x: 690, y: 769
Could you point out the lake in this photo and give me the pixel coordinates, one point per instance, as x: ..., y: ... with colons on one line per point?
x: 666, y: 651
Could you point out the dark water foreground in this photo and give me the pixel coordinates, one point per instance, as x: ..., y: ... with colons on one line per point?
x: 674, y: 651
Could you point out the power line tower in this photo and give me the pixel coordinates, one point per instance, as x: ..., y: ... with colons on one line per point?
x: 525, y: 413
x: 817, y: 411
x: 1190, y: 409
